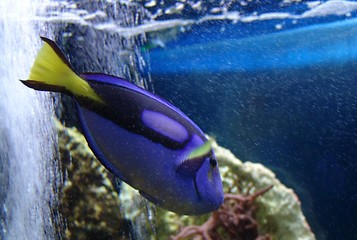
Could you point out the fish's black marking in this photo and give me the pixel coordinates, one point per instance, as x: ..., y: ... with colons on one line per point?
x: 40, y: 86
x: 58, y: 51
x: 124, y: 107
x: 213, y: 161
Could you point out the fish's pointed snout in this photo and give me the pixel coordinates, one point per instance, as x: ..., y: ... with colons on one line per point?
x: 209, y: 184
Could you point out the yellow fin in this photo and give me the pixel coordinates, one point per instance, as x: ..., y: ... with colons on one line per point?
x: 202, y: 150
x: 51, y: 71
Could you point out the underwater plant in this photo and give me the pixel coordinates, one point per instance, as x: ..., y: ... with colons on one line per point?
x: 235, y: 218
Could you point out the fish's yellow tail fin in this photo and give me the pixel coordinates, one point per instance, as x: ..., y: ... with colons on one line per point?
x: 51, y: 71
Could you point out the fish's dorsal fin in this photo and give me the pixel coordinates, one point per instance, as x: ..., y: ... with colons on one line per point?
x: 51, y: 71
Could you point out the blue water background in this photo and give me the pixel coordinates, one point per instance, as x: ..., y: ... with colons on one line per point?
x: 285, y: 98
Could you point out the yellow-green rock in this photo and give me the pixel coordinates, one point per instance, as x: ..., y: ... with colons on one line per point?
x: 88, y: 200
x: 92, y: 208
x: 278, y: 212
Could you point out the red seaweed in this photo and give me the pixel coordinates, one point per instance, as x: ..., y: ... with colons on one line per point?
x: 234, y: 220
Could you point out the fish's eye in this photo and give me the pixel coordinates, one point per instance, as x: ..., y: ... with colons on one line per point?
x: 213, y: 161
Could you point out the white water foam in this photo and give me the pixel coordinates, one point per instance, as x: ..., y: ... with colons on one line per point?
x: 26, y: 131
x: 97, y: 19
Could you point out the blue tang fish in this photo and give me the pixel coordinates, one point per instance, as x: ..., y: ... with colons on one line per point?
x: 138, y: 136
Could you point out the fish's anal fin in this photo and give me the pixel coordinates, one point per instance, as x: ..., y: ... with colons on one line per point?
x: 149, y: 197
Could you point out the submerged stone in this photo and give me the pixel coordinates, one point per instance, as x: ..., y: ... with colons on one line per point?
x: 94, y: 207
x: 88, y: 199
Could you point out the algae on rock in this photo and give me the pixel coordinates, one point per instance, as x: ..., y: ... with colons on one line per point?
x: 93, y: 208
x: 89, y: 202
x: 278, y: 212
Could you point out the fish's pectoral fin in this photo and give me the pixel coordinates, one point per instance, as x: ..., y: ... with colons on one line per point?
x: 189, y: 167
x: 202, y: 150
x: 193, y: 162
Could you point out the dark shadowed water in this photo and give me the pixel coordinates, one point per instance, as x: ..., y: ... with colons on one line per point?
x: 286, y: 98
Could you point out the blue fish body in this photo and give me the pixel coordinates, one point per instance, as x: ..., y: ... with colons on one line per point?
x: 139, y: 137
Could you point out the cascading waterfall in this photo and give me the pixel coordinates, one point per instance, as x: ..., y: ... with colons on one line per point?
x: 27, y: 171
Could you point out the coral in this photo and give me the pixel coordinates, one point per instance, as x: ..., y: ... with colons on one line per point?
x: 279, y: 210
x: 234, y: 218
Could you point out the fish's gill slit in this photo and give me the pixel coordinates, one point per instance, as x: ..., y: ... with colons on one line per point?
x: 196, y: 189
